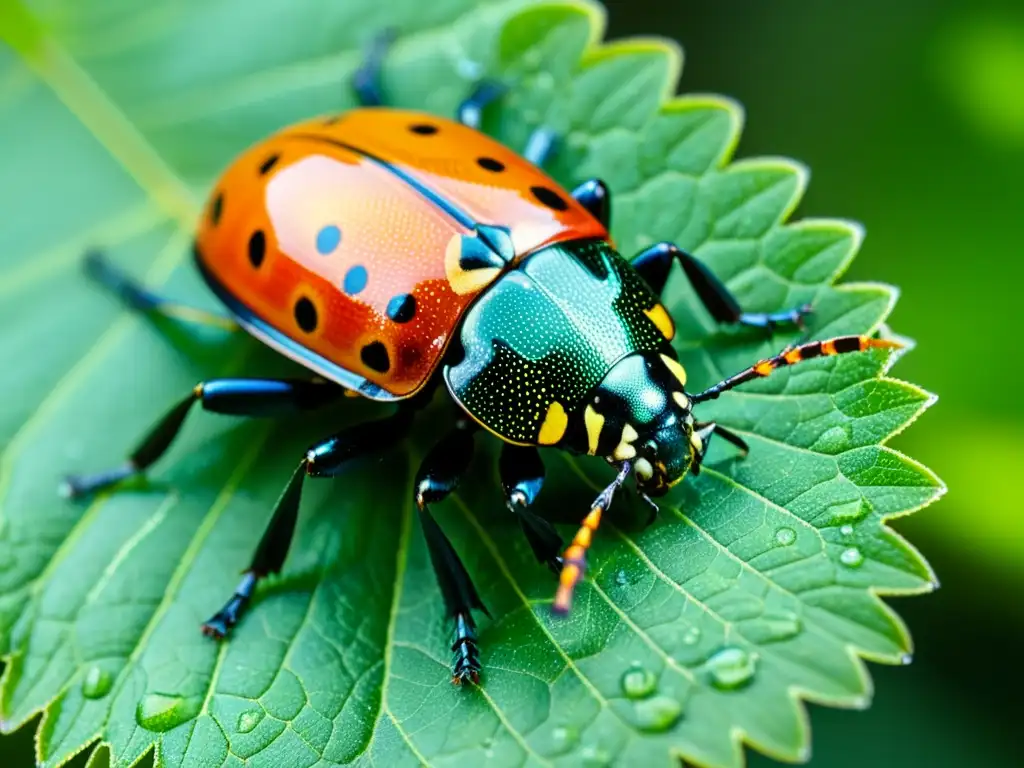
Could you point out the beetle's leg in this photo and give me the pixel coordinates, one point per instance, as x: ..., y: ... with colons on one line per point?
x: 575, y: 559
x: 471, y: 111
x: 438, y: 476
x: 596, y: 198
x: 366, y: 79
x: 522, y: 477
x: 235, y: 397
x: 324, y: 459
x: 142, y: 299
x: 655, y: 262
x: 705, y: 430
x: 541, y: 146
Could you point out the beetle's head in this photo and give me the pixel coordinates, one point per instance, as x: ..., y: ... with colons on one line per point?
x: 641, y: 414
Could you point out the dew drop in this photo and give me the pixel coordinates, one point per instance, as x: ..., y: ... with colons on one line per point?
x: 594, y: 757
x: 731, y: 668
x: 906, y: 658
x: 658, y: 713
x: 638, y: 682
x: 563, y: 739
x: 248, y: 720
x: 161, y: 712
x: 691, y: 636
x: 785, y: 536
x: 96, y: 683
x: 620, y: 579
x: 833, y: 440
x: 846, y: 530
x: 851, y: 557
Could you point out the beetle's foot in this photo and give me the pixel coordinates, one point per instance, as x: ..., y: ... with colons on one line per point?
x: 466, y: 658
x: 223, y: 620
x: 77, y: 486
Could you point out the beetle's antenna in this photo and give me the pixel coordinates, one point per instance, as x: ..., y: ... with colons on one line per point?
x: 575, y: 560
x: 837, y: 346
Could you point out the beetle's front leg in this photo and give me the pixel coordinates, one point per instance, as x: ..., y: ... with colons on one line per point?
x: 522, y: 477
x: 654, y: 265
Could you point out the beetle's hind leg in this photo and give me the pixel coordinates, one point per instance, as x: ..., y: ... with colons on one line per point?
x: 366, y: 79
x: 655, y: 263
x: 324, y: 459
x: 235, y: 397
x: 438, y: 476
x: 522, y: 477
x: 140, y: 298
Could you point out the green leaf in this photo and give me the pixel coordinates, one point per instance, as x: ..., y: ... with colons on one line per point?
x: 756, y: 588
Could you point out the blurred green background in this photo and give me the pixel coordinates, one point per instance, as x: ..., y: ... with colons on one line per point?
x: 910, y: 114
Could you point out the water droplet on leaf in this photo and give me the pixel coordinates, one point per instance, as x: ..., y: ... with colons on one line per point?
x: 833, y: 440
x: 96, y: 683
x: 594, y: 757
x: 638, y: 682
x: 620, y: 579
x: 906, y: 658
x: 846, y: 530
x: 161, y: 712
x: 785, y: 536
x: 731, y: 668
x: 564, y: 738
x: 851, y: 557
x: 658, y: 713
x: 248, y: 720
x: 692, y: 636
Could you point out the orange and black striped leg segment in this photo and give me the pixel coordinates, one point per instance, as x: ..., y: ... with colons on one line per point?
x: 366, y: 79
x: 140, y: 298
x: 324, y: 459
x: 575, y: 559
x: 438, y: 476
x: 838, y: 346
x: 522, y: 477
x: 702, y: 434
x: 595, y: 196
x: 234, y: 397
x: 655, y: 263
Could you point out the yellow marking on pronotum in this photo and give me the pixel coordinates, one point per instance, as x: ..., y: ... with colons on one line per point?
x: 681, y: 400
x: 661, y: 319
x: 674, y: 366
x: 465, y: 281
x: 594, y: 423
x: 554, y: 425
x: 624, y: 451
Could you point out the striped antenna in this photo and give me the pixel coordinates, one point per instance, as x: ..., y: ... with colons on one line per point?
x: 837, y: 346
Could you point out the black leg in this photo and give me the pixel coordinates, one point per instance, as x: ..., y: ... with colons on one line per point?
x: 471, y: 111
x: 236, y: 397
x: 596, y: 198
x: 322, y: 460
x: 540, y: 147
x: 142, y: 299
x: 438, y: 476
x: 704, y: 431
x: 366, y: 79
x: 654, y: 265
x: 522, y: 477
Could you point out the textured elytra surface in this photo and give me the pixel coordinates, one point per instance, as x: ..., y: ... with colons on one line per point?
x: 756, y: 585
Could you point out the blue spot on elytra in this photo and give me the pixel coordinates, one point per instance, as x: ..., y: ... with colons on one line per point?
x: 327, y: 239
x: 355, y: 280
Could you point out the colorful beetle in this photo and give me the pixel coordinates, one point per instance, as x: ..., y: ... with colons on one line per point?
x: 387, y: 250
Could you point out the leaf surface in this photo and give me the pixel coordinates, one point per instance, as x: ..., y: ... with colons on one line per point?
x: 755, y: 588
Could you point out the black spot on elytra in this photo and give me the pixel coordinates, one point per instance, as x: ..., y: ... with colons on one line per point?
x: 375, y: 356
x: 216, y: 209
x: 269, y: 163
x: 257, y: 248
x: 490, y: 164
x: 550, y: 198
x: 423, y: 129
x: 305, y: 315
x: 402, y: 308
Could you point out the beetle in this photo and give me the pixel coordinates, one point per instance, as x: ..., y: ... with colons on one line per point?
x: 391, y: 251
